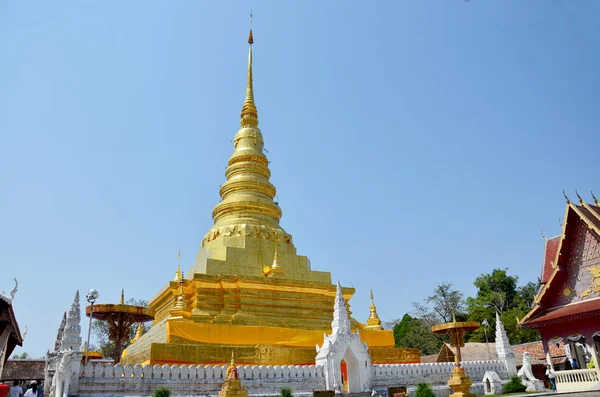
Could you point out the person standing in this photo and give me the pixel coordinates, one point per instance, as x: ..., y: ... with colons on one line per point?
x: 33, y: 390
x: 4, y: 389
x: 575, y: 364
x: 16, y: 390
x: 551, y: 377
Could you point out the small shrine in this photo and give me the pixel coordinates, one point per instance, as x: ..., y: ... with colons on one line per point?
x: 232, y: 387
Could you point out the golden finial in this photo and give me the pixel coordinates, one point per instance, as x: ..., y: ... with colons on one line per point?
x: 373, y: 322
x: 180, y: 301
x: 138, y: 334
x: 249, y: 116
x: 275, y: 259
x: 232, y: 358
x: 453, y: 317
x: 579, y: 197
x: 178, y: 275
x: 595, y: 199
x: 122, y: 296
x: 566, y: 198
x: 544, y: 236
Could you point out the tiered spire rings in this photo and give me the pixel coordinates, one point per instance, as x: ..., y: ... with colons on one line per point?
x: 373, y: 322
x: 247, y: 195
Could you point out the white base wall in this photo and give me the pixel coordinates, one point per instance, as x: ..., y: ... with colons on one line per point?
x: 99, y: 380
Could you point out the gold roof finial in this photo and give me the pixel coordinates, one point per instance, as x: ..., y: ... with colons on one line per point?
x: 373, y: 322
x: 249, y: 116
x: 122, y: 296
x: 595, y: 199
x: 453, y: 317
x: 579, y: 197
x: 232, y: 358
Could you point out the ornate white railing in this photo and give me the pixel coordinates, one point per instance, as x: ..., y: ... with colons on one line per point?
x: 435, y: 373
x: 577, y: 380
x: 179, y: 372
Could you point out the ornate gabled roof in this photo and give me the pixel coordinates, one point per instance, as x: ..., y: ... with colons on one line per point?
x: 558, y: 252
x: 8, y: 321
x: 550, y: 250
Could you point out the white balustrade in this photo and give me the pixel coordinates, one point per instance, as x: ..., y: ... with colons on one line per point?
x: 577, y: 380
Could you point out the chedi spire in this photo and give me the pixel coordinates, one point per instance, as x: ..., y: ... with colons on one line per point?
x: 247, y: 195
x: 373, y: 322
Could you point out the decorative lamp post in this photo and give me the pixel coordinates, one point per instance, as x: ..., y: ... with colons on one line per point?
x: 91, y: 297
x: 459, y: 380
x: 486, y: 324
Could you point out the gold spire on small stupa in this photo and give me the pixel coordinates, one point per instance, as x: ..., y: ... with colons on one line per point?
x: 122, y: 296
x: 373, y: 322
x: 232, y: 387
x: 138, y: 334
x: 180, y: 301
x: 275, y: 264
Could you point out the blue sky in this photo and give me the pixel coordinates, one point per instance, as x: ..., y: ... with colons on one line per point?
x: 411, y: 142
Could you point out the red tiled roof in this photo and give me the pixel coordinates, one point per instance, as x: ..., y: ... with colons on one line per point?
x: 23, y: 370
x: 536, y: 350
x: 549, y: 257
x: 564, y: 313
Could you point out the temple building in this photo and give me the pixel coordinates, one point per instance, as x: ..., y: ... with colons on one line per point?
x: 567, y: 306
x: 249, y: 290
x: 10, y: 335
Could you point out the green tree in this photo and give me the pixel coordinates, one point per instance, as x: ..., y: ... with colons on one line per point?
x: 100, y: 329
x: 441, y: 306
x: 499, y: 292
x: 412, y: 332
x: 22, y: 356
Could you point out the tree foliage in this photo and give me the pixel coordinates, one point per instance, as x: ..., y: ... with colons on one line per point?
x: 22, y: 356
x: 412, y: 332
x: 441, y: 306
x: 100, y: 330
x: 499, y: 292
x: 424, y: 390
x: 496, y: 292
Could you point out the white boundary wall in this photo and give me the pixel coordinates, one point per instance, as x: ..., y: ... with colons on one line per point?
x: 107, y: 380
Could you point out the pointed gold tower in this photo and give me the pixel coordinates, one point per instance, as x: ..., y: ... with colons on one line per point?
x: 248, y: 291
x: 373, y: 322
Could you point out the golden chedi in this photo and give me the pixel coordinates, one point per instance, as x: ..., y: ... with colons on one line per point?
x: 249, y: 291
x: 232, y: 387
